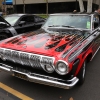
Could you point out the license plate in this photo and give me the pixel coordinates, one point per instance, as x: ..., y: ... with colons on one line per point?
x: 20, y: 75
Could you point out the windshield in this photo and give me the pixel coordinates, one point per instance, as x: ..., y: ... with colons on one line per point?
x: 11, y: 19
x: 77, y: 21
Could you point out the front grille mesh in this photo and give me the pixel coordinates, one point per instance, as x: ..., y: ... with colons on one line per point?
x: 23, y: 58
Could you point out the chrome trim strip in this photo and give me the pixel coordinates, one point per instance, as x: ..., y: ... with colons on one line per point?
x: 71, y: 49
x: 90, y: 39
x: 48, y: 81
x: 6, y: 67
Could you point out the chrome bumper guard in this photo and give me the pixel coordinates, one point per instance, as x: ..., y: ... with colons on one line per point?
x: 37, y: 78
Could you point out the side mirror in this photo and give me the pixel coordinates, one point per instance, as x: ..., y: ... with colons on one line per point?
x: 21, y: 23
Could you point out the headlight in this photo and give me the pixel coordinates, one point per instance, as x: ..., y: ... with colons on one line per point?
x: 62, y: 68
x: 49, y: 68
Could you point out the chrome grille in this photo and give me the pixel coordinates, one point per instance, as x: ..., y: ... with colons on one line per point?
x: 15, y: 56
x: 35, y: 60
x: 8, y: 54
x: 1, y: 51
x: 24, y: 58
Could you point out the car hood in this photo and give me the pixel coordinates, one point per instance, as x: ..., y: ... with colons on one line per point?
x: 3, y: 20
x: 44, y: 43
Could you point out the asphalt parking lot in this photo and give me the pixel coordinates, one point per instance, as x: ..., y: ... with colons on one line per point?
x: 12, y: 88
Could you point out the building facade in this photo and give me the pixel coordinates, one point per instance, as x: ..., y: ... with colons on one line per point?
x: 6, y: 6
x: 1, y: 4
x: 54, y: 6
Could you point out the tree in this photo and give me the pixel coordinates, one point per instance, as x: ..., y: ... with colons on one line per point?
x: 15, y: 7
x: 89, y: 6
x: 81, y: 5
x: 24, y: 6
x: 46, y: 6
x: 5, y: 7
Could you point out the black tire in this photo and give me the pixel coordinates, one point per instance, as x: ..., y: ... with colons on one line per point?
x: 3, y: 36
x: 82, y: 73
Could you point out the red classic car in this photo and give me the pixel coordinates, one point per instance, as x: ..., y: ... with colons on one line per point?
x: 56, y: 54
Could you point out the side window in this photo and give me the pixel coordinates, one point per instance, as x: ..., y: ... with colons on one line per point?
x: 28, y: 19
x: 38, y: 19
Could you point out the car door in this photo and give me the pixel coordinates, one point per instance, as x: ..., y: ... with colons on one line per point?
x: 19, y: 26
x: 33, y: 23
x: 30, y: 23
x: 25, y: 24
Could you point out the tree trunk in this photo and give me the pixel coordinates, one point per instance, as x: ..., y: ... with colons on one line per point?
x: 24, y: 6
x: 15, y: 7
x: 89, y: 6
x: 4, y: 7
x: 46, y: 6
x: 81, y: 5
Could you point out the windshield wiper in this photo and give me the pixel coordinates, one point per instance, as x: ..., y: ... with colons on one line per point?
x: 72, y: 27
x: 68, y: 26
x: 54, y: 26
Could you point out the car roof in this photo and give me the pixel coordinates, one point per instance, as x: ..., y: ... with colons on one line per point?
x: 88, y: 14
x: 17, y: 14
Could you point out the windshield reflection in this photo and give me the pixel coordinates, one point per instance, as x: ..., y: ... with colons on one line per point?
x: 12, y: 19
x: 76, y: 21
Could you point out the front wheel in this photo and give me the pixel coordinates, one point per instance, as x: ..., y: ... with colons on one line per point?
x: 82, y: 73
x: 3, y: 36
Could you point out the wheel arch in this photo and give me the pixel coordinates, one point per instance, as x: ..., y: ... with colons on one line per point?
x: 88, y: 57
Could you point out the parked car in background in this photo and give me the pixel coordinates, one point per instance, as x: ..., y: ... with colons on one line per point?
x: 56, y: 54
x: 15, y: 24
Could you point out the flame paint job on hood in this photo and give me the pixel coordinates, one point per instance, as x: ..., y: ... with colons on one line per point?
x: 44, y: 43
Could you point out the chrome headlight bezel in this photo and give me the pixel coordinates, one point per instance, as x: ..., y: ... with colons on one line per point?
x: 48, y: 62
x: 48, y: 65
x: 66, y: 67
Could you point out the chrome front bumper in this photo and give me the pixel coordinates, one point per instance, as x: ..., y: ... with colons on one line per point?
x: 37, y: 78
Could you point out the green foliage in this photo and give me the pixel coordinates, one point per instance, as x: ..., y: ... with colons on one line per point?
x: 43, y: 15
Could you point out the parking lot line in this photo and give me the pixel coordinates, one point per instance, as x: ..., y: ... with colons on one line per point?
x: 14, y: 92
